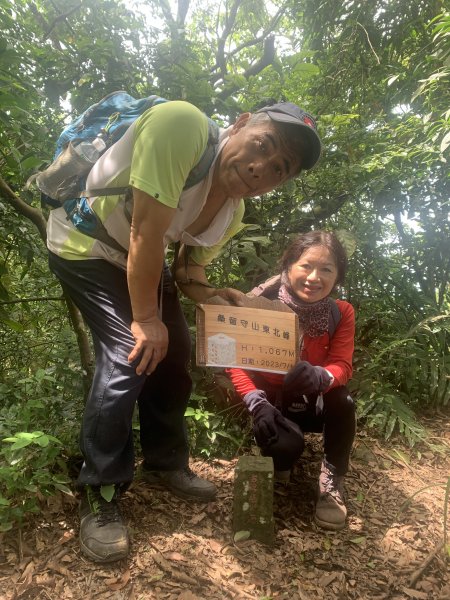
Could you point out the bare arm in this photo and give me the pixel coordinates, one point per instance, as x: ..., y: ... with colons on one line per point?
x: 192, y: 281
x: 145, y: 262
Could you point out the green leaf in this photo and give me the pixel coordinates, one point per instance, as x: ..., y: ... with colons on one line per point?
x: 348, y: 240
x: 358, y: 540
x: 64, y: 488
x: 29, y: 435
x: 327, y: 543
x: 14, y: 325
x: 43, y: 441
x: 107, y: 492
x: 445, y: 143
x: 30, y: 163
x: 392, y: 79
x: 21, y: 443
x: 31, y: 487
x: 241, y: 536
x: 402, y: 456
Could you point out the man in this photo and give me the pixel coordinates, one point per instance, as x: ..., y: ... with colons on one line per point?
x: 129, y: 300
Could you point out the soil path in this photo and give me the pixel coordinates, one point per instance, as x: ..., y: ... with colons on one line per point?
x: 391, y: 549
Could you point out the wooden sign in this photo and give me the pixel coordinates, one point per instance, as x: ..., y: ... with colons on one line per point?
x: 248, y: 338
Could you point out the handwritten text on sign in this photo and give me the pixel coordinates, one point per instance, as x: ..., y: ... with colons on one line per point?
x: 248, y: 338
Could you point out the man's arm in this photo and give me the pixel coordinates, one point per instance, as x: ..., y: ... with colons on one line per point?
x: 150, y: 221
x: 192, y: 281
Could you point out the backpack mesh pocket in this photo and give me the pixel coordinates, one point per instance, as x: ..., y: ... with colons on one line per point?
x: 65, y: 178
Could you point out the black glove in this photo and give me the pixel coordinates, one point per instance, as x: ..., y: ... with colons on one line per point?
x: 266, y: 418
x: 306, y: 379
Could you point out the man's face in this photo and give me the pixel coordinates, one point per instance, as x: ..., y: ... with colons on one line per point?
x: 254, y: 161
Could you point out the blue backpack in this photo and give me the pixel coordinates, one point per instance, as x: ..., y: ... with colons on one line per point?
x: 63, y: 182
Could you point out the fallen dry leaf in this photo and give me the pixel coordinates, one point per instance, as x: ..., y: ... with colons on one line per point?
x: 187, y: 595
x: 415, y: 594
x: 175, y: 556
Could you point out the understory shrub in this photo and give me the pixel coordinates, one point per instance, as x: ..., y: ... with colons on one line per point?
x: 398, y: 377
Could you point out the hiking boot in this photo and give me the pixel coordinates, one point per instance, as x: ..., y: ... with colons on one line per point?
x: 103, y: 536
x: 182, y: 482
x: 330, y: 508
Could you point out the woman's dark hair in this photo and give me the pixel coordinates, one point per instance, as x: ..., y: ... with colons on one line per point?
x: 305, y: 241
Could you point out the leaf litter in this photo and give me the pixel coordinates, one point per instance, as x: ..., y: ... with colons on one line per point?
x: 392, y: 547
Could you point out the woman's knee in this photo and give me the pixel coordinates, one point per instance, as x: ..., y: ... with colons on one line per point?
x: 287, y: 448
x: 339, y: 400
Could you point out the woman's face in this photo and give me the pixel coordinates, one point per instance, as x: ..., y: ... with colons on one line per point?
x: 314, y: 274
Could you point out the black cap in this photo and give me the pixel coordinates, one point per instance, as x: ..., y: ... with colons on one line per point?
x: 287, y: 112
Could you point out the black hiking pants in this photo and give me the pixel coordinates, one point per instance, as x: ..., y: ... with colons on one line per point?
x: 100, y: 291
x: 333, y: 415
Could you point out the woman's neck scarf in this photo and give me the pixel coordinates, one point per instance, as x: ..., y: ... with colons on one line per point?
x: 313, y: 316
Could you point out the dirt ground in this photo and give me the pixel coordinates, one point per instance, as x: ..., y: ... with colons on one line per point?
x: 391, y: 549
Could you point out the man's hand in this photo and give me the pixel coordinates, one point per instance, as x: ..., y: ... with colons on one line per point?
x: 151, y: 344
x: 267, y: 419
x: 306, y: 379
x: 231, y: 296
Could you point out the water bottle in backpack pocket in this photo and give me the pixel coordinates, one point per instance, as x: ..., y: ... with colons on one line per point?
x: 66, y: 176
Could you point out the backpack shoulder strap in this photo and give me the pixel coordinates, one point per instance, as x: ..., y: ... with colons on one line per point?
x: 269, y: 288
x: 202, y: 167
x: 334, y: 318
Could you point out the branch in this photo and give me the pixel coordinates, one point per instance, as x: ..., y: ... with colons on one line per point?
x: 175, y: 25
x: 221, y: 62
x: 84, y: 346
x: 165, y: 7
x: 269, y: 29
x: 48, y: 27
x: 368, y: 39
x: 42, y: 22
x: 399, y: 225
x: 266, y: 59
x: 221, y: 59
x: 183, y: 7
x: 35, y: 299
x: 33, y: 214
x: 319, y: 212
x: 442, y: 288
x: 424, y: 566
x: 58, y: 18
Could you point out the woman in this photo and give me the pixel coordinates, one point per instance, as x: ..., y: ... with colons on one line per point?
x: 313, y: 395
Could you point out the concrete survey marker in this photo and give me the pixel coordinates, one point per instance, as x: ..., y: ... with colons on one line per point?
x: 253, y: 499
